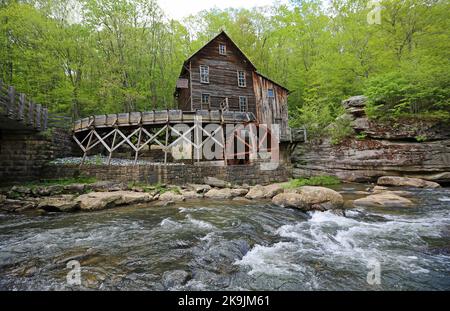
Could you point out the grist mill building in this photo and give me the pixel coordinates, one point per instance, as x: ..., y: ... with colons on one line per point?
x: 220, y: 77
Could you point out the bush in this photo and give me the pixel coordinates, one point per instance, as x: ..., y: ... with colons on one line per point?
x: 397, y: 94
x: 313, y: 181
x: 339, y: 130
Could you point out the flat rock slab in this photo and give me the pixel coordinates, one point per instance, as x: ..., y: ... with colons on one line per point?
x: 385, y: 199
x: 63, y: 203
x: 406, y: 182
x: 101, y: 200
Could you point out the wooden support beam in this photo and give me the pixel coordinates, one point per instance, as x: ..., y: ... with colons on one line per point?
x: 166, y: 143
x: 87, y: 147
x: 112, y: 146
x: 137, y: 146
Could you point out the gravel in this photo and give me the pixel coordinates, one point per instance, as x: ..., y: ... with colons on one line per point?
x: 103, y: 160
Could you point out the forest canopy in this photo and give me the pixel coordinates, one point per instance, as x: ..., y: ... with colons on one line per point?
x: 81, y: 57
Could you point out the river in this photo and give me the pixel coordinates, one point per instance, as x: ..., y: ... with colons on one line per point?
x: 227, y: 245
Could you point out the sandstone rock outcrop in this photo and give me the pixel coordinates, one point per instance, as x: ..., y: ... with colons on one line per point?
x: 407, y: 147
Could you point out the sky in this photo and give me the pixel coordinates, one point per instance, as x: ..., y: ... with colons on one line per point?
x: 178, y: 9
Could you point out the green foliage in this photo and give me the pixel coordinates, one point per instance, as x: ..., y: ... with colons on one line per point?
x: 82, y: 57
x: 313, y: 181
x: 421, y: 138
x: 361, y: 136
x: 62, y: 181
x: 339, y: 130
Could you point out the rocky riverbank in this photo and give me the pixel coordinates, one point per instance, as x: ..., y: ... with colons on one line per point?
x: 106, y: 194
x: 377, y: 148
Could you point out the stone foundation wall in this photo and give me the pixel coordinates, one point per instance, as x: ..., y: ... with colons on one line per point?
x: 251, y: 174
x: 23, y: 154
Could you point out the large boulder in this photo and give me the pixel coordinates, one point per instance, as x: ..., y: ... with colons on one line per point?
x: 198, y: 188
x: 264, y: 192
x: 385, y: 199
x: 215, y: 182
x: 131, y: 197
x: 256, y: 193
x: 192, y: 194
x: 171, y: 196
x: 289, y: 199
x: 174, y: 278
x: 238, y: 192
x: 405, y: 181
x: 272, y: 190
x: 219, y: 194
x: 75, y: 188
x: 310, y: 198
x: 63, y: 203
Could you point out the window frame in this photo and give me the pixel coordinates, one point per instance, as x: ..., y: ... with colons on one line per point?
x: 239, y: 78
x: 206, y: 81
x: 209, y: 101
x: 240, y: 104
x: 224, y: 49
x: 268, y: 93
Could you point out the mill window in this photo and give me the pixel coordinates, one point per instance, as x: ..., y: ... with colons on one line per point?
x: 205, y: 101
x: 204, y: 74
x: 222, y: 49
x: 243, y: 106
x: 241, y: 78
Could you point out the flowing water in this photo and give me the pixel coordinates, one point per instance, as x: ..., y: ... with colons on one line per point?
x: 232, y: 246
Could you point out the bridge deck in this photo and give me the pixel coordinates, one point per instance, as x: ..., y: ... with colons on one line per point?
x: 159, y: 117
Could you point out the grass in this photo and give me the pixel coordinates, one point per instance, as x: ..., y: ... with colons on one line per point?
x: 313, y: 181
x: 62, y: 181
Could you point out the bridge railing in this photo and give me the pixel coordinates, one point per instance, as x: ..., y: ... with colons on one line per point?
x: 16, y: 106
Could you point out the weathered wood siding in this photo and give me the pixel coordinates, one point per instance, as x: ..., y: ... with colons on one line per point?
x: 267, y: 111
x: 223, y: 77
x: 184, y: 95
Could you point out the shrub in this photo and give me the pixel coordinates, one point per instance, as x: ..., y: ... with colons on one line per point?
x: 313, y: 181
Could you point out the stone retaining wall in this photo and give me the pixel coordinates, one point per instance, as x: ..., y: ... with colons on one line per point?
x: 251, y: 174
x: 23, y: 154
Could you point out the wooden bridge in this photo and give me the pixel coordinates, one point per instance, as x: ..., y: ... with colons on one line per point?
x: 141, y: 129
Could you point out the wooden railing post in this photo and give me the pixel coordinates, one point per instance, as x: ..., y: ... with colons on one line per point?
x: 44, y: 118
x: 30, y: 113
x: 12, y: 99
x: 21, y: 106
x: 38, y: 116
